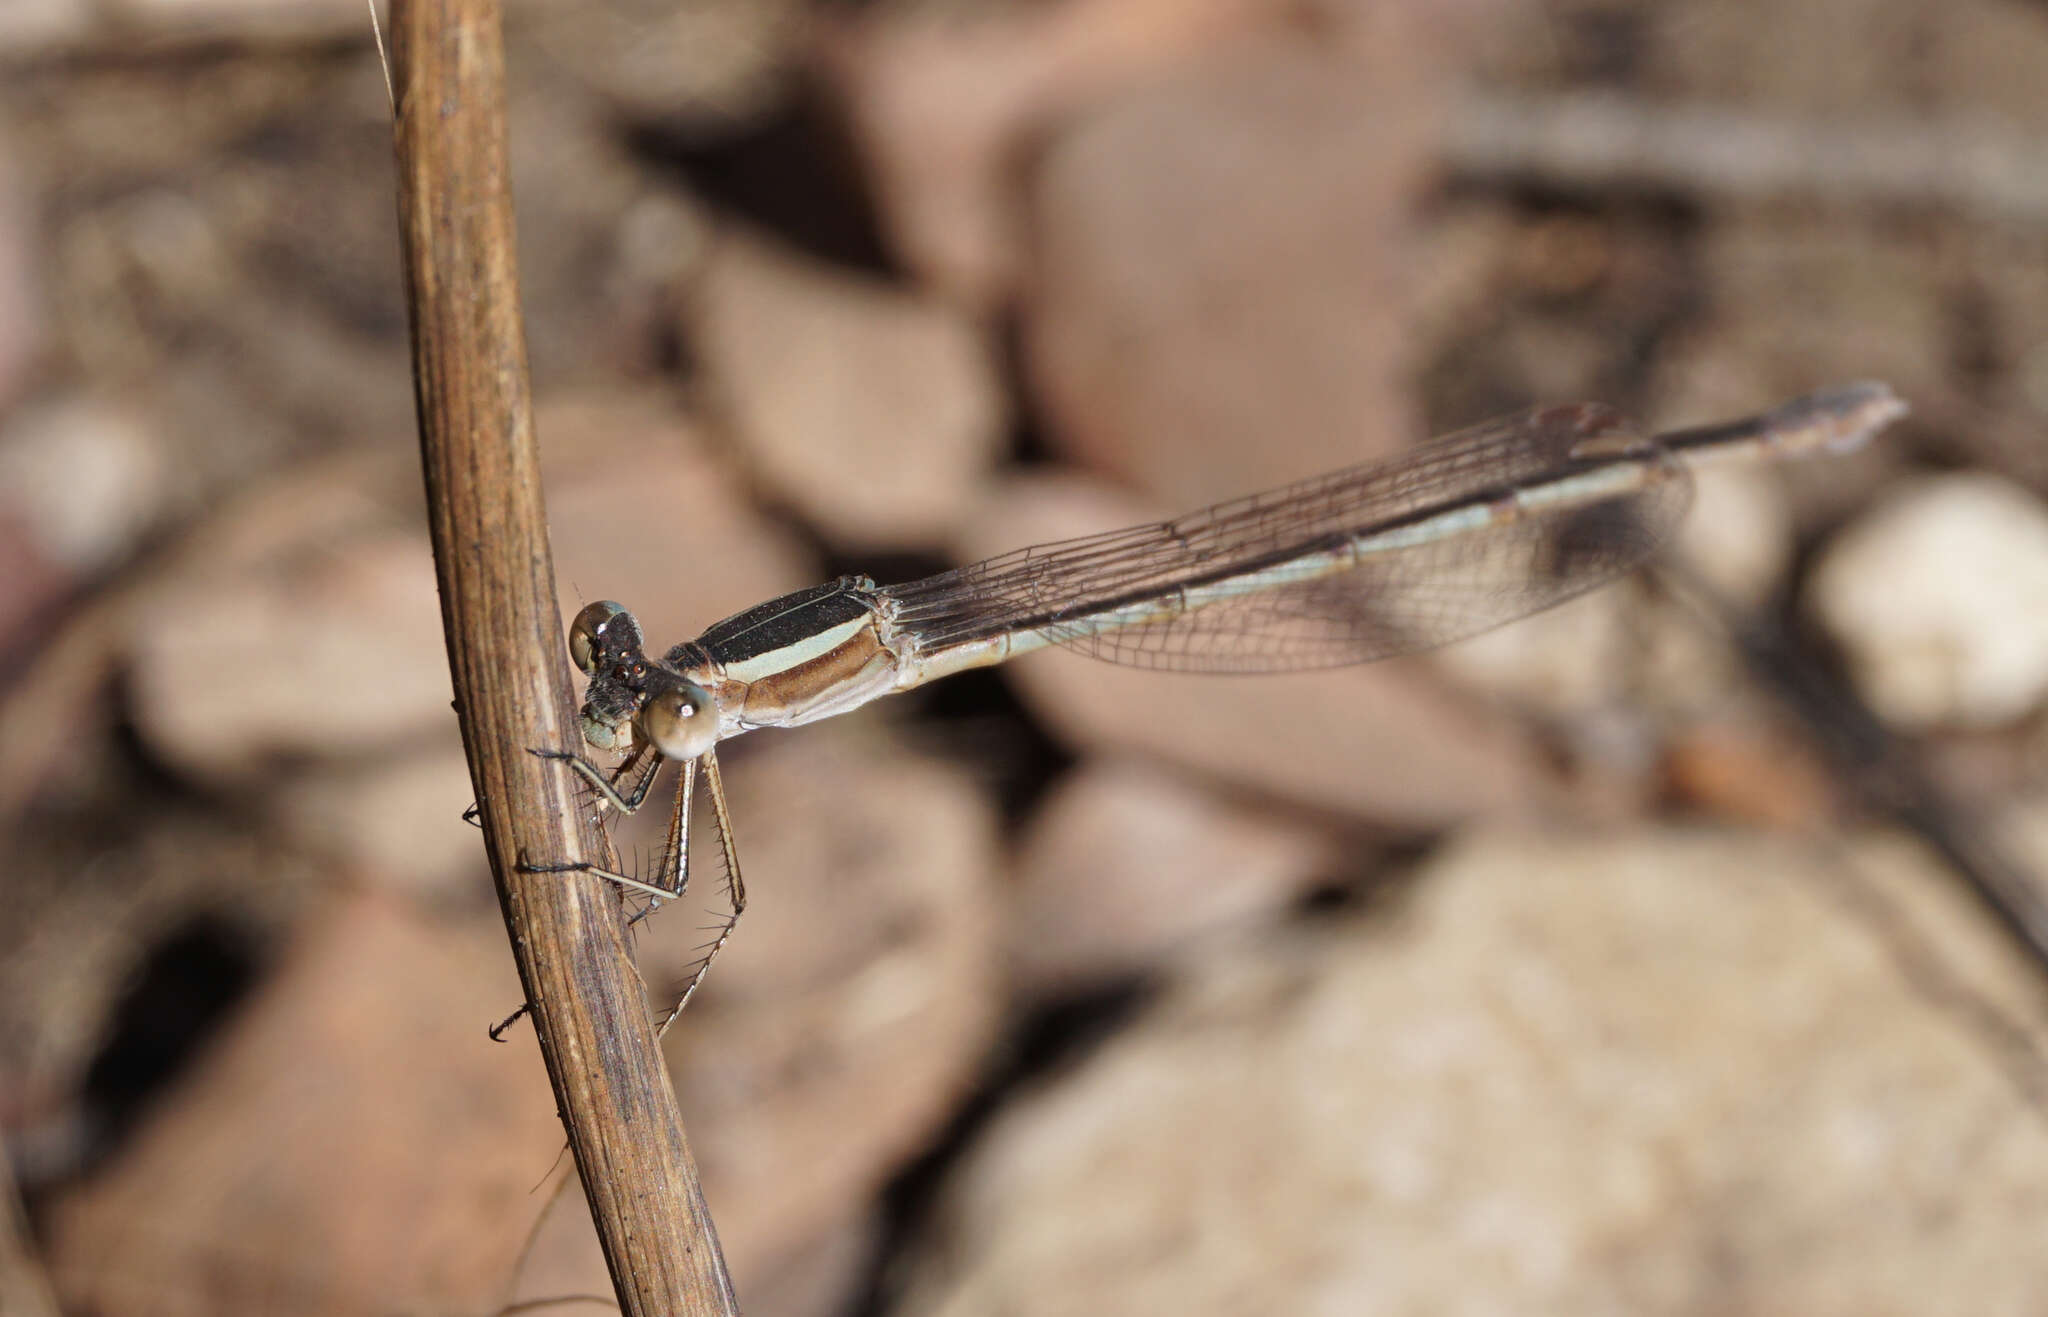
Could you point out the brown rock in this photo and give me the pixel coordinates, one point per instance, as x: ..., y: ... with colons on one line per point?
x: 249, y: 20
x: 392, y: 819
x: 31, y: 584
x: 25, y: 24
x: 1756, y: 775
x: 1126, y: 863
x: 1387, y: 742
x: 93, y: 903
x: 849, y: 1015
x: 1758, y: 340
x: 817, y: 1279
x: 562, y: 1256
x: 714, y: 62
x: 303, y: 625
x: 24, y: 1288
x: 327, y: 648
x: 1217, y: 295
x: 873, y: 411
x: 1609, y: 1075
x: 301, y: 619
x: 356, y: 1144
x: 945, y: 106
x: 641, y: 512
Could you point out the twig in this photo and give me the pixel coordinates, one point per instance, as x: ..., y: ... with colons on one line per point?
x: 1882, y: 770
x: 498, y: 604
x: 24, y: 1287
x: 1981, y: 167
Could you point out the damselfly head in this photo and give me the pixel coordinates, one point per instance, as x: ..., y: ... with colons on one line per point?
x: 679, y: 718
x: 604, y: 641
x: 601, y: 634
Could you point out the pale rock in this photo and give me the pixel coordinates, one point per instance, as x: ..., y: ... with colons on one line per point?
x: 1568, y: 661
x: 1572, y: 1075
x: 1939, y: 599
x: 35, y: 27
x: 86, y: 477
x: 82, y: 482
x: 1738, y: 536
x: 874, y: 411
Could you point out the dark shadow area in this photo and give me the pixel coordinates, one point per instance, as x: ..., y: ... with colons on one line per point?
x: 1041, y: 1043
x: 185, y: 989
x: 790, y: 172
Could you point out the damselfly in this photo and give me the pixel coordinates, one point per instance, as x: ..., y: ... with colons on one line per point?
x: 1460, y: 535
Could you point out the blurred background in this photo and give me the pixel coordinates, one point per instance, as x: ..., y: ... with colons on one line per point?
x: 1624, y: 960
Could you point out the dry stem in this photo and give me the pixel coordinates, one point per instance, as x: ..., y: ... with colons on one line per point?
x: 498, y: 604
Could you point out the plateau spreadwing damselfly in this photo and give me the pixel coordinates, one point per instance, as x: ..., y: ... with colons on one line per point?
x: 1465, y: 533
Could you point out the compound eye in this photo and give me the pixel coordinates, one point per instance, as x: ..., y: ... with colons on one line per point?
x: 681, y: 720
x: 587, y: 630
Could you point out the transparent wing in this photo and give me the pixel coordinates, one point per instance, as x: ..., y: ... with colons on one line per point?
x: 1465, y: 533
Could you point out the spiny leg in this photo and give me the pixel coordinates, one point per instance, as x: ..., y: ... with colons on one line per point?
x: 609, y: 789
x: 598, y: 870
x: 631, y: 763
x: 497, y: 1031
x: 606, y: 787
x: 675, y: 857
x: 735, y: 886
x: 674, y: 873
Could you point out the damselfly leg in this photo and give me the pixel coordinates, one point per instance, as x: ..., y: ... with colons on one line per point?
x: 672, y: 874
